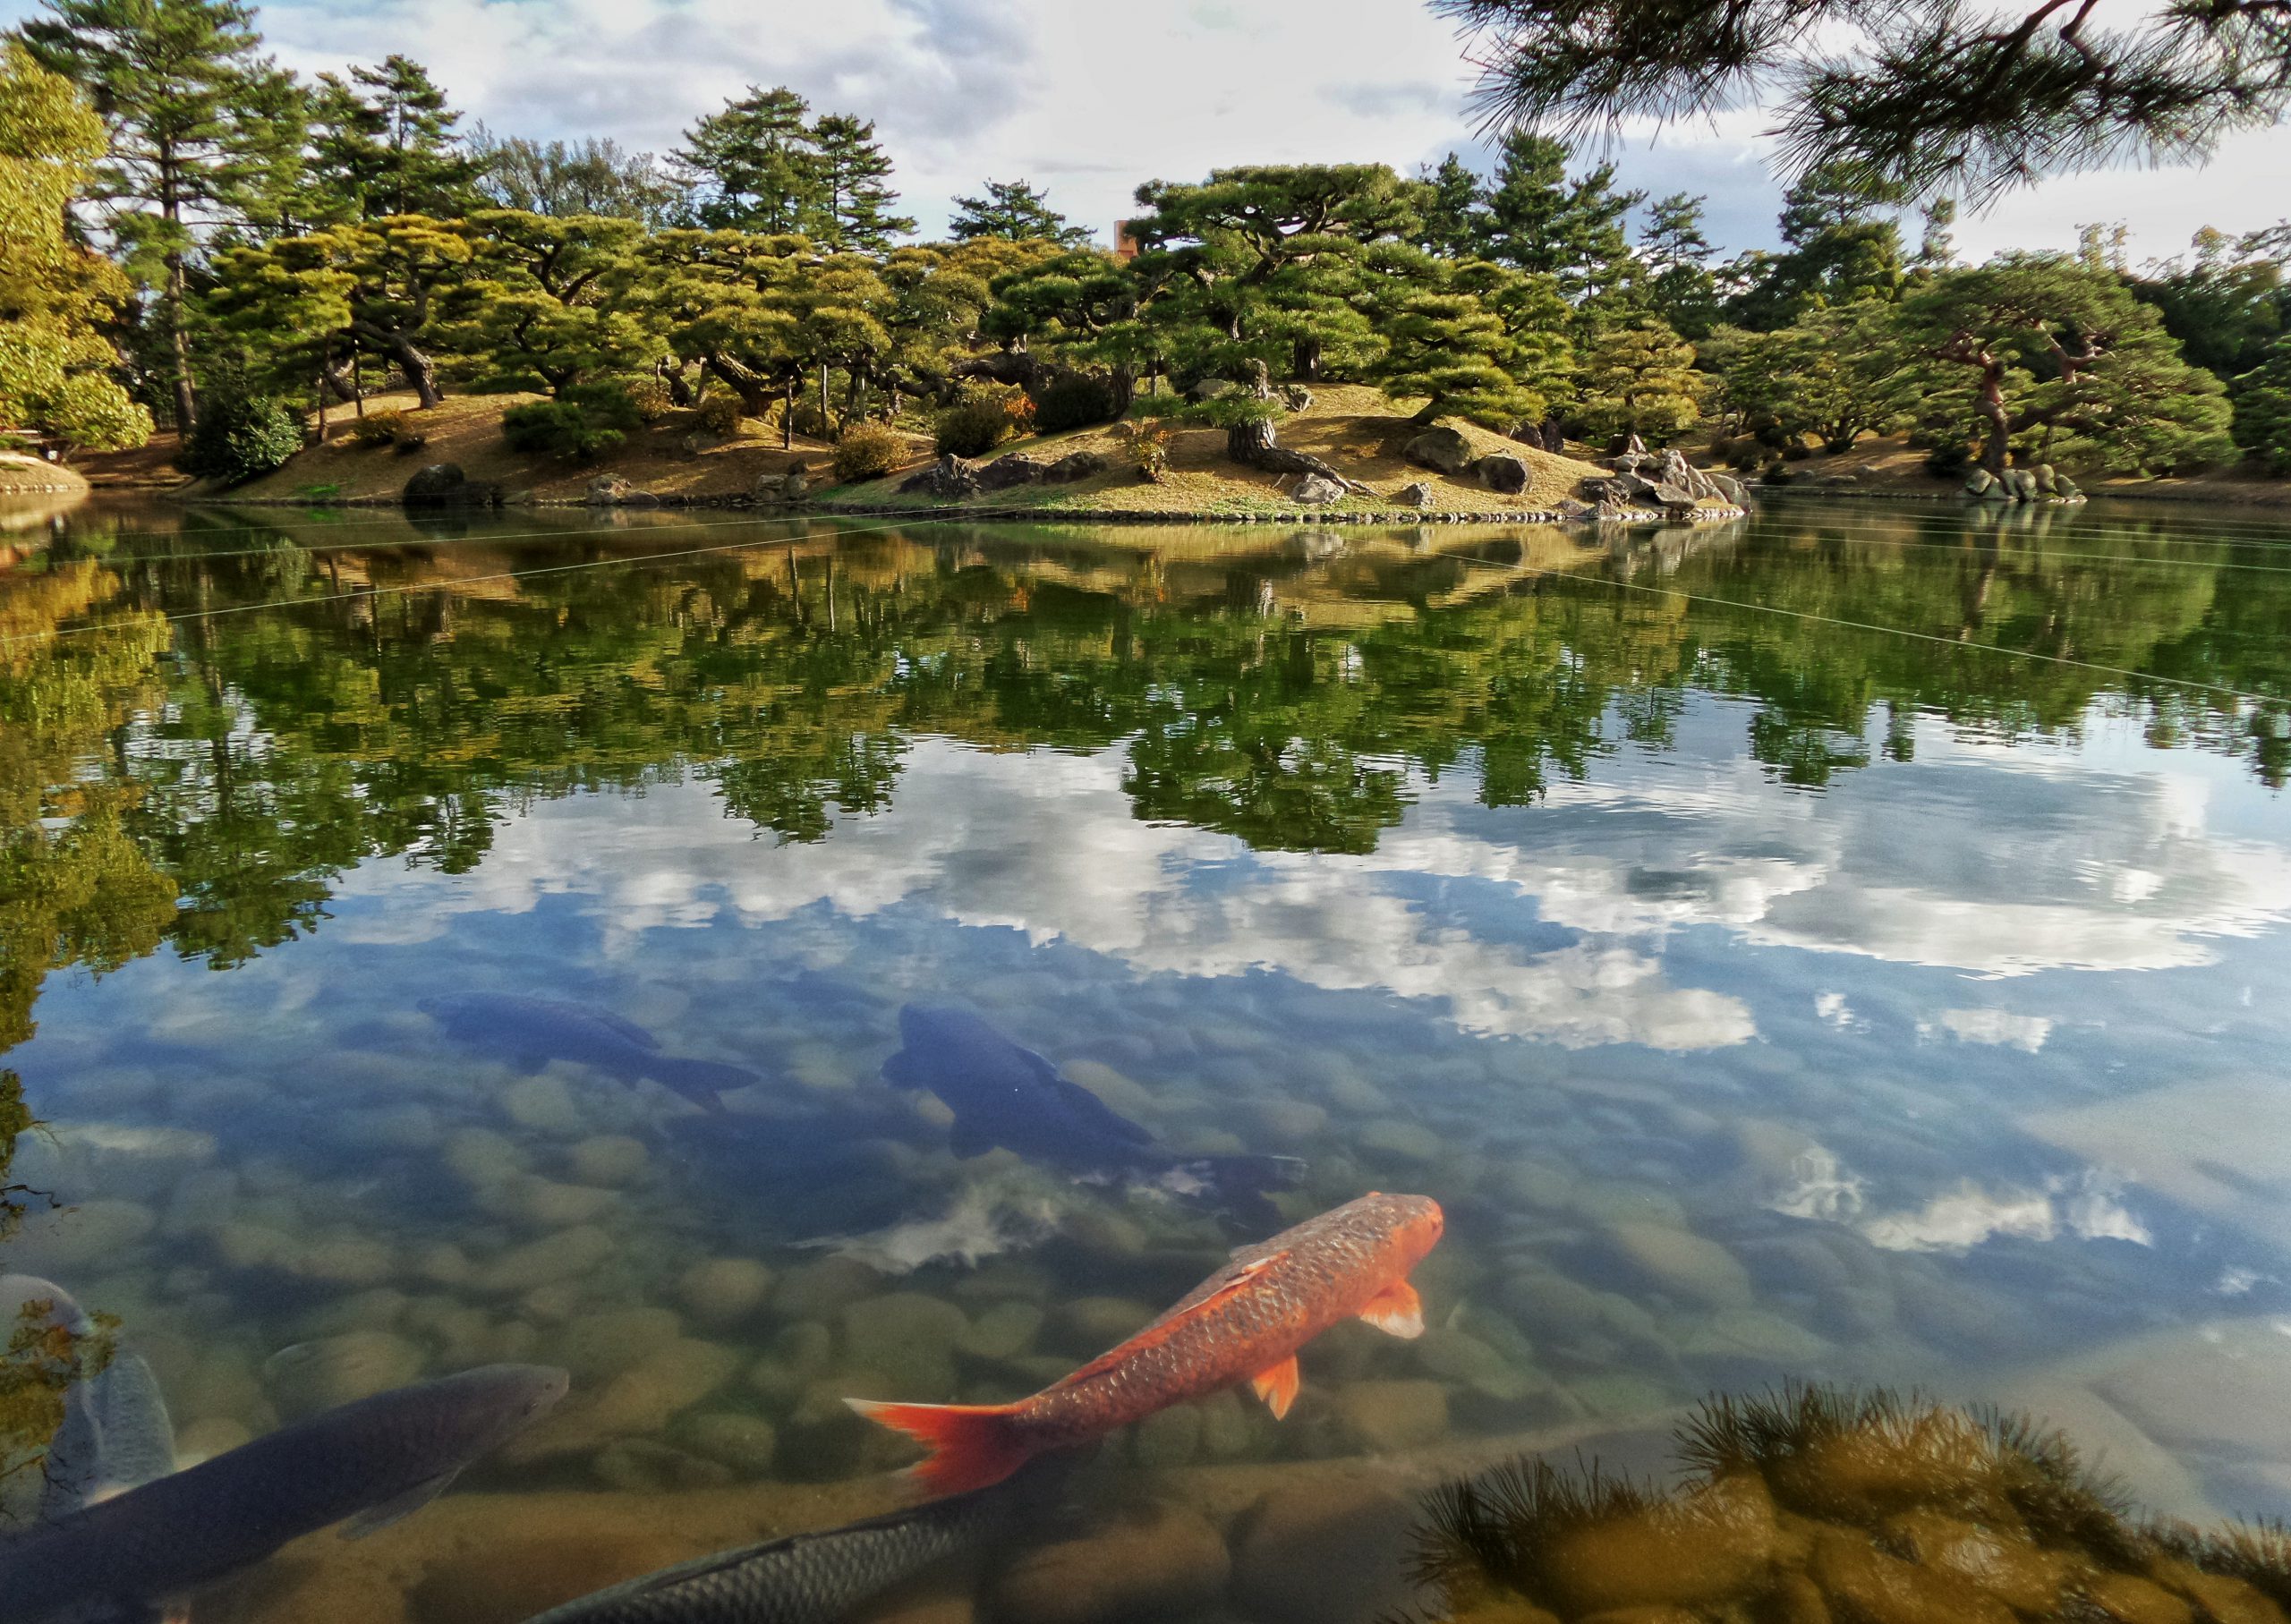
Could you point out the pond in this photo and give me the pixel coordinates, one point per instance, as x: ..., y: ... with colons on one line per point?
x: 1846, y: 946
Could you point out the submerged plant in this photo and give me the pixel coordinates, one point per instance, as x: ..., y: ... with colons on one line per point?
x: 1816, y: 1501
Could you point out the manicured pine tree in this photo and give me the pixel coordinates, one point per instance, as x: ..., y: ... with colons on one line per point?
x: 1640, y: 379
x: 2262, y: 402
x: 754, y: 166
x: 1842, y: 243
x: 1018, y: 212
x: 854, y: 177
x: 169, y: 78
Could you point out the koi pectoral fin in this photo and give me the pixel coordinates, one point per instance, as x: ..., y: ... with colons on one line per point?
x: 1396, y: 1310
x: 1277, y: 1387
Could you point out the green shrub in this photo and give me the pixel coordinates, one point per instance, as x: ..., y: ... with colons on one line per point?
x: 868, y: 451
x: 981, y: 419
x: 397, y: 428
x: 809, y: 421
x: 720, y: 414
x: 242, y: 437
x: 651, y: 397
x: 1072, y: 401
x: 606, y: 404
x: 2262, y: 403
x: 1949, y: 459
x: 558, y: 428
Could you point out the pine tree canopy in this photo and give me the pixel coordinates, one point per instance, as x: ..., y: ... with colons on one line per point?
x: 1932, y: 96
x: 1017, y: 212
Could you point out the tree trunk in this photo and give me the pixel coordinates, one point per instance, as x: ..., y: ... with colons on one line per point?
x: 788, y: 416
x: 420, y: 371
x: 1991, y: 406
x: 751, y: 385
x: 319, y: 388
x: 186, y: 393
x: 1121, y: 388
x: 673, y: 380
x: 826, y: 428
x: 1253, y: 446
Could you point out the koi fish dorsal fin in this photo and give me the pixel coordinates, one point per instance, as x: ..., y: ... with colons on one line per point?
x: 1396, y: 1310
x: 1278, y: 1386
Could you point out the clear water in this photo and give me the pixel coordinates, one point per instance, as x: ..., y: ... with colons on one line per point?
x: 1846, y: 946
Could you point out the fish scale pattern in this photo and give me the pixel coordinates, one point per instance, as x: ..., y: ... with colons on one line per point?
x: 808, y: 1578
x: 1250, y: 1315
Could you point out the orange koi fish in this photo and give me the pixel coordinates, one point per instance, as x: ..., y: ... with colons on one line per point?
x: 1243, y: 1323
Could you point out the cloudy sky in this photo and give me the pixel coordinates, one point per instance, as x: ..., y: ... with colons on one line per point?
x: 1087, y: 98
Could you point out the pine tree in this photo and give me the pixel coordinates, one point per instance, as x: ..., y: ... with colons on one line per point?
x: 1640, y: 379
x: 1451, y: 211
x: 593, y: 176
x: 1446, y: 339
x: 168, y: 77
x: 1842, y: 242
x: 1538, y: 220
x: 2039, y: 355
x: 1929, y: 97
x: 754, y: 165
x: 1679, y: 285
x: 384, y: 144
x: 857, y: 201
x: 2262, y: 400
x: 1016, y: 211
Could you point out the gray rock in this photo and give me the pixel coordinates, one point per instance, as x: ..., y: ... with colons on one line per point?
x: 1318, y: 491
x: 1075, y: 465
x: 1677, y: 471
x: 1443, y: 450
x: 444, y: 485
x: 798, y: 483
x: 606, y: 489
x: 1672, y: 496
x: 1502, y: 471
x: 1211, y: 388
x: 1414, y: 494
x: 2048, y: 482
x: 1005, y: 471
x: 1728, y: 488
x: 949, y: 478
x: 1979, y: 483
x: 1296, y: 398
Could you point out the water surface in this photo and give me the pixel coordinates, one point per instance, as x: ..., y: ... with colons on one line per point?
x: 1847, y: 944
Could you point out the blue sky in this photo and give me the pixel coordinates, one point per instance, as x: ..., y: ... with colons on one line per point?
x: 1088, y: 98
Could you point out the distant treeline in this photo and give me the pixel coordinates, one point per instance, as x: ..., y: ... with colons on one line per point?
x: 189, y: 227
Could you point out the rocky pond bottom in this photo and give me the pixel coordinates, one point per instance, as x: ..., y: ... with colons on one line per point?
x: 1844, y: 948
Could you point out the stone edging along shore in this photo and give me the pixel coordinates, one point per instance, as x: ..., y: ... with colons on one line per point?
x: 1048, y: 515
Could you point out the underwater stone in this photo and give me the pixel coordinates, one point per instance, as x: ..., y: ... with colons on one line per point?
x: 2127, y: 1598
x: 478, y: 1157
x: 2009, y: 1568
x: 1620, y: 1396
x: 743, y: 1442
x: 1683, y: 1263
x: 815, y: 1291
x: 1106, y: 1233
x: 723, y: 1291
x: 533, y: 1202
x: 1289, y: 1123
x: 1395, y: 1143
x: 598, y: 1345
x: 1123, y: 1093
x: 1226, y: 1430
x: 74, y: 1238
x: 1003, y: 1331
x: 345, y: 1260
x: 378, y: 1310
x: 613, y: 1161
x: 562, y: 1257
x: 313, y: 1376
x: 388, y: 1127
x: 1325, y: 1551
x: 637, y: 1403
x: 1356, y: 1095
x: 641, y: 1465
x: 1167, y: 1438
x: 542, y: 1105
x: 1452, y: 1356
x: 1754, y: 1334
x: 1393, y: 1415
x: 1161, y: 1561
x: 537, y: 1562
x: 882, y: 1330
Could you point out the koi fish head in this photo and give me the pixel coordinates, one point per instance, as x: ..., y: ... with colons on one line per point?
x: 1412, y: 1225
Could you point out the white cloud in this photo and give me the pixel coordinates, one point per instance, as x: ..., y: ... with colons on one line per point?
x: 1090, y: 97
x: 1999, y: 1028
x: 988, y: 840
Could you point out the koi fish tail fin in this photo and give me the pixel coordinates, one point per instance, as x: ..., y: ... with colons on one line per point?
x: 971, y: 1445
x: 701, y: 1082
